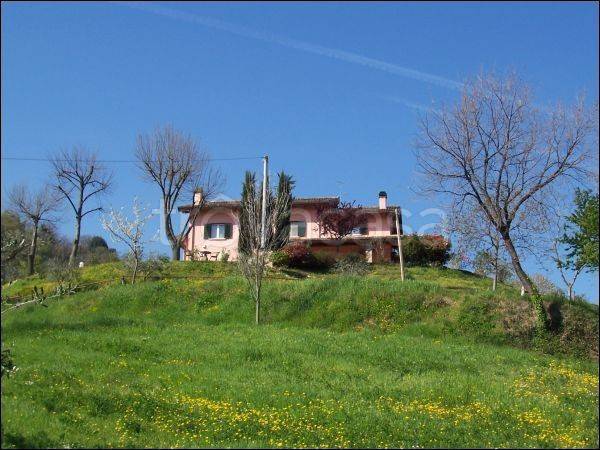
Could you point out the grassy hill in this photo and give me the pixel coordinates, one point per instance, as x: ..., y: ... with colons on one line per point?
x: 340, y: 361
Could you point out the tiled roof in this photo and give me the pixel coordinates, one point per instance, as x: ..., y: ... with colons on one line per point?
x: 298, y: 201
x: 236, y: 203
x: 215, y: 204
x: 373, y: 209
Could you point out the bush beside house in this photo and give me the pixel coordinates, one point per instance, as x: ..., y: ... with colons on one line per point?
x: 425, y: 250
x: 299, y: 256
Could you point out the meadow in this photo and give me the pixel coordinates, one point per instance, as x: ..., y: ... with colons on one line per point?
x: 339, y: 362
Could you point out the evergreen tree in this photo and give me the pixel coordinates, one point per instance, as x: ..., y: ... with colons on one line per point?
x: 581, y: 236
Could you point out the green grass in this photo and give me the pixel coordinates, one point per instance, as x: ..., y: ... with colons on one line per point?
x: 112, y: 273
x: 339, y: 361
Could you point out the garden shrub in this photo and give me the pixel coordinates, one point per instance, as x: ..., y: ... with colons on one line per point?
x: 426, y: 250
x: 280, y: 258
x: 299, y: 255
x: 414, y: 251
x: 153, y: 267
x: 224, y: 256
x: 323, y: 260
x: 352, y: 264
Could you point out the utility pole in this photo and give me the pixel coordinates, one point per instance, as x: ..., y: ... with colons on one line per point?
x: 263, y: 218
x: 398, y: 234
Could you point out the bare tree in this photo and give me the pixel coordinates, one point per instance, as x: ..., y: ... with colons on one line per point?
x: 35, y: 207
x: 80, y: 178
x: 496, y: 149
x: 569, y: 274
x: 253, y: 256
x: 173, y: 161
x: 128, y: 231
x: 475, y: 234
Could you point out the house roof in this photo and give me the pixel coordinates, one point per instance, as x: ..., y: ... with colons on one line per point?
x: 298, y: 201
x: 374, y: 209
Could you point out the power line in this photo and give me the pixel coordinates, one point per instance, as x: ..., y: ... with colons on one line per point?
x: 119, y: 161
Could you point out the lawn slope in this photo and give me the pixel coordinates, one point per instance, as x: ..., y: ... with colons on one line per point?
x: 340, y: 361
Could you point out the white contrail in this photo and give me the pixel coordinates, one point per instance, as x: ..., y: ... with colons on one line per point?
x: 295, y: 44
x: 417, y: 106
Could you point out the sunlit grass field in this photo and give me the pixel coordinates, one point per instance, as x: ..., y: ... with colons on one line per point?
x: 339, y: 362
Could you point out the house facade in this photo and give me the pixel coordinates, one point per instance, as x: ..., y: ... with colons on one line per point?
x: 216, y: 229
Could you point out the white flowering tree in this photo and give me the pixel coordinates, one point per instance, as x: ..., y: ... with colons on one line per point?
x: 128, y: 231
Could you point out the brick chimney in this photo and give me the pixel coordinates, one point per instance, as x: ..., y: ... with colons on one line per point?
x: 197, y: 196
x: 382, y: 200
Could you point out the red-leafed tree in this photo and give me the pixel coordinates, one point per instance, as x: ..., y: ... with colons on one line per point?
x: 338, y: 221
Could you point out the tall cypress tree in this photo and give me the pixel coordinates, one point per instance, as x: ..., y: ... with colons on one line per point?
x: 278, y: 235
x: 248, y: 198
x: 281, y: 231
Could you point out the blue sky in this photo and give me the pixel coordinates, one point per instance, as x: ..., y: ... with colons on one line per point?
x: 330, y: 91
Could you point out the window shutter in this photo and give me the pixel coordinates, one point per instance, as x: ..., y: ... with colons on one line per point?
x: 302, y: 229
x: 207, y: 231
x: 227, y: 231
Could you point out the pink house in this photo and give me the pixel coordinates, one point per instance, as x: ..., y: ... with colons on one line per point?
x: 216, y: 229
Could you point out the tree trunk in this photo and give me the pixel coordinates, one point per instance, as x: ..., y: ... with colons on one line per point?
x: 175, y: 252
x: 135, y: 269
x: 571, y: 292
x: 258, y: 274
x: 32, y: 249
x: 257, y: 312
x: 171, y: 236
x: 75, y: 246
x: 536, y: 299
x: 257, y: 297
x: 495, y: 280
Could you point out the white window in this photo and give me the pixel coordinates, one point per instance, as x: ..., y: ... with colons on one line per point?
x: 298, y: 229
x: 217, y: 231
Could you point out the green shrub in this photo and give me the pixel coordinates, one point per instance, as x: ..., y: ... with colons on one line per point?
x: 323, y: 260
x: 299, y: 255
x: 224, y: 256
x: 153, y: 267
x: 6, y: 363
x: 414, y: 251
x: 438, y: 249
x: 425, y: 250
x: 352, y: 264
x: 280, y: 258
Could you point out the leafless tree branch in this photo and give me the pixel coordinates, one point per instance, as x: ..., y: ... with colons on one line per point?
x: 79, y: 178
x: 173, y: 161
x: 496, y: 148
